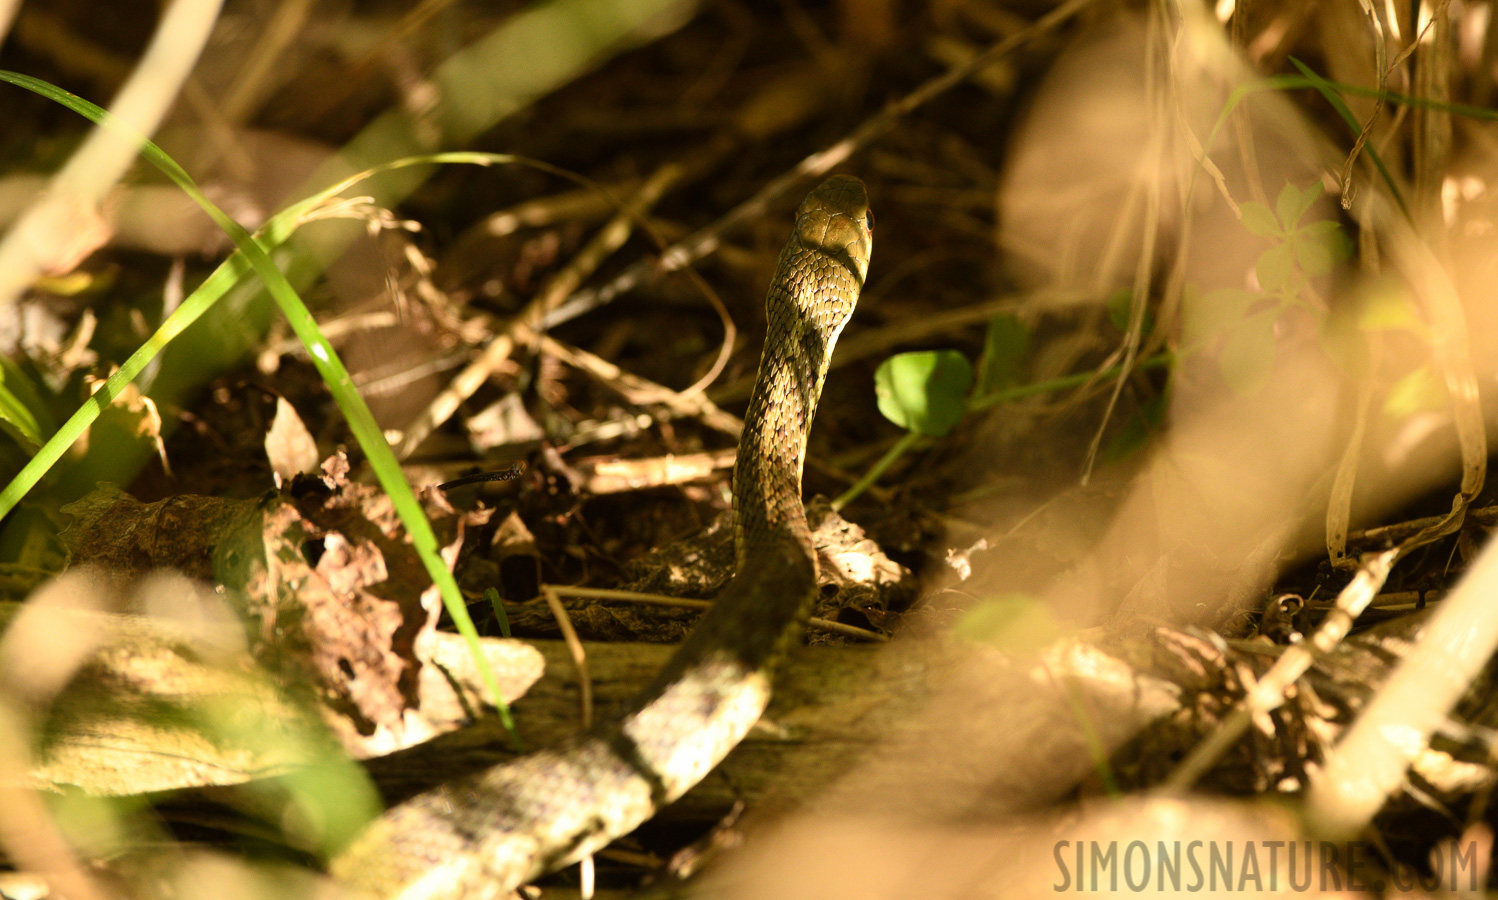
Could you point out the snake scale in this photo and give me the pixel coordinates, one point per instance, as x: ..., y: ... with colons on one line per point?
x: 484, y: 836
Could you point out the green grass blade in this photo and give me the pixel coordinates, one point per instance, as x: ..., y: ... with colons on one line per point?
x: 253, y: 256
x: 1328, y: 91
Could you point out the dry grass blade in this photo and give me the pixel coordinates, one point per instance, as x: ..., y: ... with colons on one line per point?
x: 617, y: 476
x: 1432, y: 144
x: 256, y: 82
x: 1339, y: 504
x: 1380, y: 65
x: 575, y: 648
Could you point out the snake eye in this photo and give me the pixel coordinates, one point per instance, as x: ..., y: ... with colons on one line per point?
x: 868, y: 220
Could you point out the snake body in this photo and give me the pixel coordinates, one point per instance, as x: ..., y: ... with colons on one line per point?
x: 486, y: 835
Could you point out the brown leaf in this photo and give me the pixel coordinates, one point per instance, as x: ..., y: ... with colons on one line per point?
x: 289, y: 445
x: 334, y: 592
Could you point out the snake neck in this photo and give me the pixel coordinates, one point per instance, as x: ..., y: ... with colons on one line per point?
x: 806, y: 309
x: 488, y: 834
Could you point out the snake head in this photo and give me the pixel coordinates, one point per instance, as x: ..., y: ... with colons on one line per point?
x: 835, y: 219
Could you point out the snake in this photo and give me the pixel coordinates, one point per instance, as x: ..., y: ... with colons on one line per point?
x: 484, y: 835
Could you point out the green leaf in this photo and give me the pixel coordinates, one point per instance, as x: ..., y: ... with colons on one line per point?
x: 1136, y: 431
x: 1121, y: 308
x: 924, y: 391
x: 1258, y: 219
x: 1276, y: 269
x: 1014, y: 623
x: 1313, y: 256
x: 1418, y: 391
x: 1248, y: 355
x: 492, y: 595
x: 1293, y: 203
x: 1320, y: 226
x: 1205, y: 317
x: 15, y: 412
x: 1004, y: 346
x: 1388, y: 307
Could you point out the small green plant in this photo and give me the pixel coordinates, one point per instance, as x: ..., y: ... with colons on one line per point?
x: 928, y: 392
x: 924, y: 392
x: 1241, y: 322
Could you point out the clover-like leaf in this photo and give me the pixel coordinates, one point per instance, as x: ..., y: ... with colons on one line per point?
x: 924, y: 391
x: 1314, y: 256
x: 1205, y: 317
x: 1292, y: 203
x: 1320, y: 226
x: 1275, y: 269
x: 1260, y: 220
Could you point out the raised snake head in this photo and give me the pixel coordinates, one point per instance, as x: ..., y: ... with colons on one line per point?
x: 835, y: 219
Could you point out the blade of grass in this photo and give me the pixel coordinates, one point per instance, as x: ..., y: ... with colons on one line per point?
x: 1328, y: 90
x: 1019, y: 392
x: 1329, y: 93
x: 252, y: 256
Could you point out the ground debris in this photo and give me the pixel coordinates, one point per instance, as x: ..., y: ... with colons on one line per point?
x: 333, y: 596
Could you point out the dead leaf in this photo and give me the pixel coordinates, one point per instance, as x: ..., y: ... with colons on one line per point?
x: 289, y: 445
